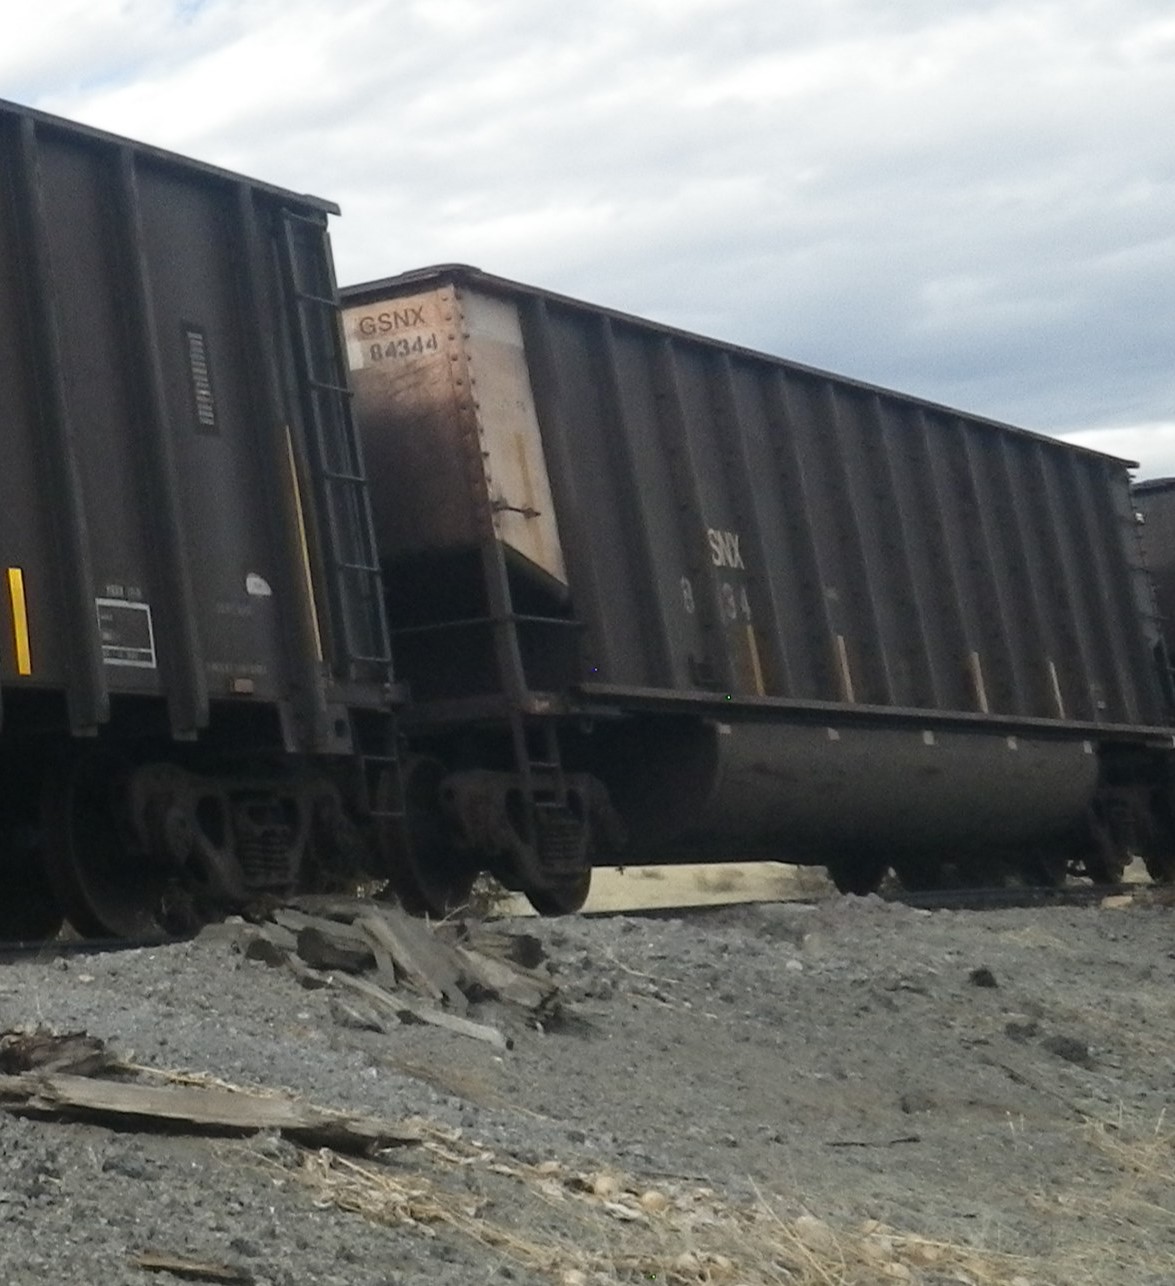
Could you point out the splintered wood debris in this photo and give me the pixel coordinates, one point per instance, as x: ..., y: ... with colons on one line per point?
x: 384, y: 967
x: 74, y: 1053
x: 75, y: 1075
x: 393, y: 968
x: 196, y: 1270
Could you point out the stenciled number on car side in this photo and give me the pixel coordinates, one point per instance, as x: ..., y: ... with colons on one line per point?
x: 403, y: 347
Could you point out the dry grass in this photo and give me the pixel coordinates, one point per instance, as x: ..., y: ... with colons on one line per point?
x: 1141, y: 1149
x: 1119, y: 1210
x: 1142, y: 1197
x: 579, y: 1228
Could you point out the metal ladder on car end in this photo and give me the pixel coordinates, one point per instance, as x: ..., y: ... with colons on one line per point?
x: 337, y: 456
x: 558, y: 834
x: 373, y: 762
x: 544, y: 783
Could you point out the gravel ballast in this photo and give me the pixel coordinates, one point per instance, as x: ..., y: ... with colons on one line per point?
x: 843, y: 1082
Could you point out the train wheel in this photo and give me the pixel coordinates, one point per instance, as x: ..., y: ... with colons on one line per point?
x: 28, y: 908
x: 857, y: 873
x: 564, y: 898
x: 1160, y: 866
x: 426, y: 873
x: 1105, y: 869
x: 103, y: 888
x: 29, y: 911
x: 921, y: 875
x: 1043, y: 870
x: 1158, y: 841
x: 1112, y: 828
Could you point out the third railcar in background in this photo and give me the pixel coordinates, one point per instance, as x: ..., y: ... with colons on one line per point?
x: 1155, y: 501
x: 659, y: 595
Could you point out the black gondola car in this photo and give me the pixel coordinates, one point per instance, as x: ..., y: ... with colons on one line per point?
x: 660, y: 595
x: 194, y: 646
x: 1155, y: 501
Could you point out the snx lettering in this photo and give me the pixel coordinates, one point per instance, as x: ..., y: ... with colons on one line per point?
x: 724, y: 550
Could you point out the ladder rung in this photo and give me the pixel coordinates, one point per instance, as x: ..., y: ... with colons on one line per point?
x: 542, y: 765
x: 332, y: 433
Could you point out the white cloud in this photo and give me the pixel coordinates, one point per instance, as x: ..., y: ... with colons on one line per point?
x: 971, y: 201
x: 1151, y: 445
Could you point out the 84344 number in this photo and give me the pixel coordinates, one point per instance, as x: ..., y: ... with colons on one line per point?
x: 403, y: 347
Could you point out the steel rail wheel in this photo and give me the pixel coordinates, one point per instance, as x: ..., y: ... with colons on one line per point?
x: 1160, y: 866
x: 105, y: 890
x: 29, y: 910
x: 564, y: 898
x: 859, y: 873
x: 920, y: 875
x: 427, y: 874
x: 1045, y: 869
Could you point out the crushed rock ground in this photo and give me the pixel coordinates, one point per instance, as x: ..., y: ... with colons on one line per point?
x: 822, y: 1079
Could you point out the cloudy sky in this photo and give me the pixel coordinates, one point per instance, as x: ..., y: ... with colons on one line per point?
x: 972, y: 200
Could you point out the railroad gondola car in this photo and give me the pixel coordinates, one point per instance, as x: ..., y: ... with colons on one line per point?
x: 656, y: 594
x: 194, y: 671
x: 1155, y: 502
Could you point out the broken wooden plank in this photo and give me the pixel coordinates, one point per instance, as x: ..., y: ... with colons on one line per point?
x: 427, y: 964
x: 406, y: 1009
x: 385, y: 968
x: 284, y: 939
x: 242, y: 935
x: 501, y: 980
x: 522, y: 949
x: 196, y: 1270
x: 311, y: 979
x: 409, y: 1010
x: 334, y: 906
x: 323, y: 950
x: 200, y: 1108
x: 408, y: 951
x: 366, y: 988
x: 344, y: 935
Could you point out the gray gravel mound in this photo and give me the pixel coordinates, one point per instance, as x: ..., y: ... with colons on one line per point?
x: 993, y: 1080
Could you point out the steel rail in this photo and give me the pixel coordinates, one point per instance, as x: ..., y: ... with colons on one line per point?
x: 52, y: 948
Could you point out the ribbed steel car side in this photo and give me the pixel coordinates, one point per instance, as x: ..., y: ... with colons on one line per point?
x: 197, y: 698
x: 745, y: 606
x: 172, y: 411
x: 736, y: 524
x: 1154, y: 500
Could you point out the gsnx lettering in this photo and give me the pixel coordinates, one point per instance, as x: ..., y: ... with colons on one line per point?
x: 397, y: 319
x: 724, y: 550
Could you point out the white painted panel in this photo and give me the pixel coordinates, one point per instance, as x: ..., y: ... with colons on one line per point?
x: 516, y: 468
